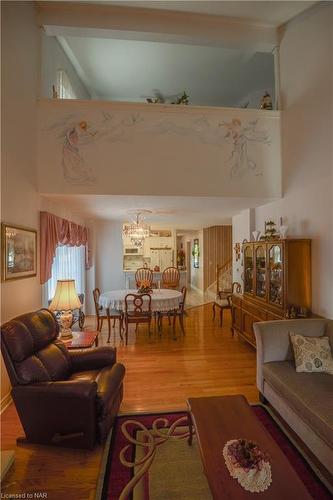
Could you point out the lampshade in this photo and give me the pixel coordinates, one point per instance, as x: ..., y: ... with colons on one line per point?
x: 65, y: 297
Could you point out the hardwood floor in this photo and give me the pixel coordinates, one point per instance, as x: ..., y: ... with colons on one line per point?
x: 161, y: 373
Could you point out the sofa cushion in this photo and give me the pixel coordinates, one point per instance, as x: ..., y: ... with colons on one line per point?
x: 308, y: 394
x: 312, y: 354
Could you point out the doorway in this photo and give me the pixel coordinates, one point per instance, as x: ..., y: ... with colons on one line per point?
x: 188, y: 262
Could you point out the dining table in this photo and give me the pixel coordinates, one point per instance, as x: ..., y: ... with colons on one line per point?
x: 162, y: 300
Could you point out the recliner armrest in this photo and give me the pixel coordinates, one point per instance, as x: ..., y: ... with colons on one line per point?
x: 92, y: 359
x: 59, y: 391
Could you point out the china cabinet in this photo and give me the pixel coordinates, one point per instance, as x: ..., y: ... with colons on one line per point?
x: 277, y: 280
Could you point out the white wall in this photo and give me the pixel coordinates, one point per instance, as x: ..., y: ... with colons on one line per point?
x: 242, y: 227
x: 20, y: 200
x: 53, y: 59
x: 109, y: 256
x: 306, y: 87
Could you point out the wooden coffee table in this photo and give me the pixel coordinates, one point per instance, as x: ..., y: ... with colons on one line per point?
x: 219, y: 419
x: 82, y: 340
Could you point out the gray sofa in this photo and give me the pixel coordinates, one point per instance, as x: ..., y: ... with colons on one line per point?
x: 304, y: 400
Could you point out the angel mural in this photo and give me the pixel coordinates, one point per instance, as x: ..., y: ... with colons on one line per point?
x: 241, y: 135
x: 74, y: 168
x: 75, y: 134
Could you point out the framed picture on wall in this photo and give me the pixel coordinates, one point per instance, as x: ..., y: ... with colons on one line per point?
x: 19, y: 252
x: 196, y: 253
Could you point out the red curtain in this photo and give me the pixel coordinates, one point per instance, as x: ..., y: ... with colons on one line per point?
x: 56, y: 231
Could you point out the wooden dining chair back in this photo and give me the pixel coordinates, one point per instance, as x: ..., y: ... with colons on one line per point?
x: 102, y: 314
x: 182, y: 303
x: 170, y: 278
x: 143, y: 274
x: 98, y: 308
x: 137, y: 310
x: 175, y: 313
x: 224, y: 300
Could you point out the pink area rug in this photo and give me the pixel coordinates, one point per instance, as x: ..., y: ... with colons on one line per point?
x: 120, y: 450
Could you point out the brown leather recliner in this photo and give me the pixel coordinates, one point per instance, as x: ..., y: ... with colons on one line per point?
x: 67, y: 398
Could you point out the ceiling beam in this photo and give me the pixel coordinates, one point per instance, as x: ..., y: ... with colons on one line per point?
x: 84, y: 19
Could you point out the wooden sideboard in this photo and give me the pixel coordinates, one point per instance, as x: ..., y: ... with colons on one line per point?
x: 277, y: 276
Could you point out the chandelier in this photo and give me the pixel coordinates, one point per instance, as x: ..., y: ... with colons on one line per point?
x: 137, y: 231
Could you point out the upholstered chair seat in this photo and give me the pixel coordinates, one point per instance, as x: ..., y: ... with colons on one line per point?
x: 221, y: 302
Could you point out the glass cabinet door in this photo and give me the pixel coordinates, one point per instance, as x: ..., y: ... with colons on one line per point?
x: 248, y: 269
x: 275, y: 275
x: 260, y: 256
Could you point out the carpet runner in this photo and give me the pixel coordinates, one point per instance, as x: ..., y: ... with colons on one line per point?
x: 170, y: 469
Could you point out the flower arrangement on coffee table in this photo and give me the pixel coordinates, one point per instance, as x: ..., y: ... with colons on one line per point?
x: 247, y: 463
x: 145, y: 287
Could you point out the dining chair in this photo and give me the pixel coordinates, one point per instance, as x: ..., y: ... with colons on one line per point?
x: 175, y: 313
x: 102, y: 314
x: 170, y: 278
x: 137, y: 310
x: 143, y: 274
x: 223, y: 299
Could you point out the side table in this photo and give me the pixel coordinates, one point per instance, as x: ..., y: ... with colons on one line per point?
x: 82, y: 340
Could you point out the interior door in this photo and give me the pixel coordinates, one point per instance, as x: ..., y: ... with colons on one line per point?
x: 188, y: 261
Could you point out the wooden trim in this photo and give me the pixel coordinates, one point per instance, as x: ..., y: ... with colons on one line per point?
x: 157, y: 108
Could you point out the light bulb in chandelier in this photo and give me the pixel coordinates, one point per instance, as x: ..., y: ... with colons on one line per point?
x: 137, y: 231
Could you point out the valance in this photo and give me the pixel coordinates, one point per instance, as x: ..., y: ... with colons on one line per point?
x: 56, y: 231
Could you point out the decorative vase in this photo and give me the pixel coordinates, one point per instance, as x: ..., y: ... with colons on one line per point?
x: 283, y: 232
x: 256, y: 235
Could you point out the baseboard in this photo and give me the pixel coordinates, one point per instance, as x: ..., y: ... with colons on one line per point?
x: 5, y: 402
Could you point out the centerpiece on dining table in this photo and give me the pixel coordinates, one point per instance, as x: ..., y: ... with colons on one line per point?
x: 145, y: 287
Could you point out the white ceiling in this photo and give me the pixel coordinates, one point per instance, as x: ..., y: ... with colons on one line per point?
x: 167, y: 211
x: 130, y: 70
x: 268, y: 12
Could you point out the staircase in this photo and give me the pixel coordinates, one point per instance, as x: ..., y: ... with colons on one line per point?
x: 223, y: 280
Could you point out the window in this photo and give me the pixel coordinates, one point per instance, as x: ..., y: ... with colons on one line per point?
x: 64, y: 87
x: 69, y: 263
x: 196, y: 253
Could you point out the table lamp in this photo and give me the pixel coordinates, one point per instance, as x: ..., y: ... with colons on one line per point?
x: 65, y: 300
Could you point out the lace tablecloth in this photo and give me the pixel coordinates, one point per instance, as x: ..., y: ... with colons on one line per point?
x: 161, y: 300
